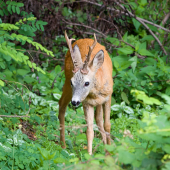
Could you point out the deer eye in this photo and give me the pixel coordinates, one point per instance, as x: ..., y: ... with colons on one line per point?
x: 86, y: 83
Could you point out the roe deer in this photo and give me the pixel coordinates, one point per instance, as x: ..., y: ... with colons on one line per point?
x: 88, y: 72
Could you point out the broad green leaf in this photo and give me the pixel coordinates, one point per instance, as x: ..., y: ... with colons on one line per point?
x: 125, y: 37
x: 140, y: 95
x: 116, y: 64
x: 2, y: 83
x: 168, y: 91
x: 128, y: 110
x: 115, y: 107
x: 137, y: 46
x: 18, y: 10
x: 150, y: 61
x: 124, y: 97
x: 126, y: 157
x: 150, y: 70
x: 142, y: 46
x: 2, y: 65
x: 58, y: 69
x: 126, y: 50
x: 22, y: 72
x: 147, y: 38
x: 109, y: 148
x: 164, y: 96
x: 143, y: 2
x: 61, y: 160
x: 113, y: 40
x: 143, y: 83
x: 136, y: 23
x: 134, y: 63
x: 57, y: 96
x: 166, y: 148
x: 28, y: 79
x: 87, y: 156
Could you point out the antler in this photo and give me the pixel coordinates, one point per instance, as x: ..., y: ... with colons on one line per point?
x: 84, y: 69
x: 72, y: 53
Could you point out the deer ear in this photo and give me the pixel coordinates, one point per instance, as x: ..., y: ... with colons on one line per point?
x: 77, y: 55
x: 97, y: 61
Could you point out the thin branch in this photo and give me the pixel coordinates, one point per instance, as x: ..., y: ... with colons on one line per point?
x: 156, y: 38
x: 127, y: 14
x: 86, y: 26
x: 142, y: 22
x: 82, y: 32
x: 31, y: 51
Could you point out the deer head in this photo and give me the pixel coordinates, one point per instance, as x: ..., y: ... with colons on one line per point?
x: 83, y: 79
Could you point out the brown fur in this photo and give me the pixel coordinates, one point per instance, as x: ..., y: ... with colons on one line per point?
x: 100, y: 94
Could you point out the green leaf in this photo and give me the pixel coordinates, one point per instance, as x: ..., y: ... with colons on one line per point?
x: 13, y: 9
x: 124, y: 97
x: 143, y: 83
x: 1, y: 13
x: 147, y: 38
x: 124, y: 65
x: 115, y: 107
x: 109, y: 148
x: 2, y: 65
x: 116, y: 64
x: 58, y: 69
x: 145, y: 52
x: 126, y: 157
x: 166, y: 148
x: 18, y: 10
x: 113, y: 40
x: 22, y: 72
x: 136, y: 23
x: 140, y: 95
x: 142, y: 46
x: 126, y: 50
x: 134, y: 63
x: 60, y: 160
x: 128, y: 110
x: 87, y: 156
x: 143, y: 2
x: 1, y: 83
x: 28, y: 79
x: 125, y: 37
x: 168, y: 91
x: 164, y: 96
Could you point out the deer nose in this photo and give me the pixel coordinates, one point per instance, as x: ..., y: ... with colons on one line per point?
x: 75, y: 103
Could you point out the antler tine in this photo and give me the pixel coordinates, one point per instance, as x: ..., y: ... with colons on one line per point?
x: 71, y: 51
x: 84, y: 69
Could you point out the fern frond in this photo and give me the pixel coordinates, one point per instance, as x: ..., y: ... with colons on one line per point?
x: 9, y: 27
x: 38, y: 46
x: 18, y: 56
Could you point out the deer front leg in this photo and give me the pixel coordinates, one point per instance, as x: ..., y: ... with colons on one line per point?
x: 65, y: 99
x: 89, y: 116
x: 107, y: 124
x: 99, y: 121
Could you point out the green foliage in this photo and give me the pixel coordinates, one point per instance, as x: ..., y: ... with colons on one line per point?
x: 11, y: 54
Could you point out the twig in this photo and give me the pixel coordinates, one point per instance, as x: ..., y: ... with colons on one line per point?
x: 86, y: 26
x: 127, y: 14
x: 31, y: 51
x: 156, y: 38
x: 89, y: 33
x: 142, y: 22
